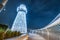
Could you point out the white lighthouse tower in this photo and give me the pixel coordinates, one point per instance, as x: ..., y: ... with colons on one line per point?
x: 19, y: 23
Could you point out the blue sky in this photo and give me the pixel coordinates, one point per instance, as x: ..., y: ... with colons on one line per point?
x: 40, y: 12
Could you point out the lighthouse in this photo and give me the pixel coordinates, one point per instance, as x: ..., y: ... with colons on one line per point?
x: 20, y: 23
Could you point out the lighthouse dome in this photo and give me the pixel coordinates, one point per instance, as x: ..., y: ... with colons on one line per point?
x: 22, y: 7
